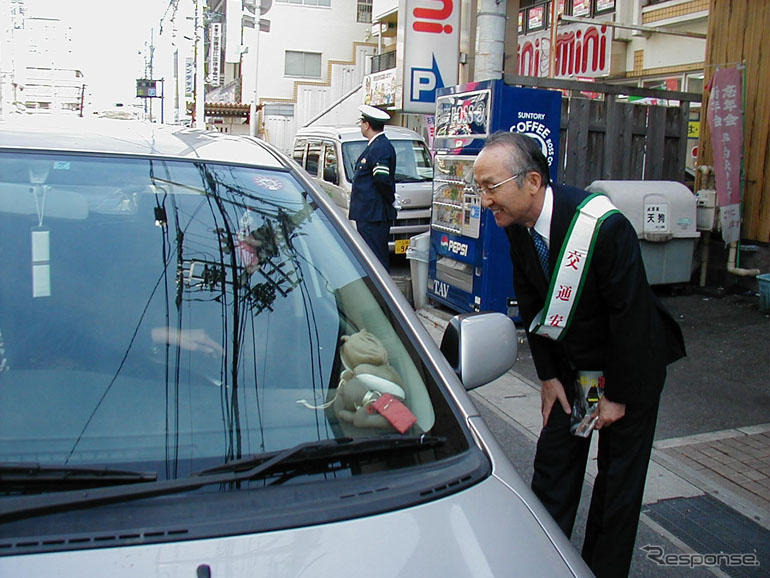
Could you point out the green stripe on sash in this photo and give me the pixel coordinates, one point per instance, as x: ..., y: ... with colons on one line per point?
x: 594, y: 208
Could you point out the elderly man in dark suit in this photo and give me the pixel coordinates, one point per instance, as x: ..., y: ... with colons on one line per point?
x: 615, y: 324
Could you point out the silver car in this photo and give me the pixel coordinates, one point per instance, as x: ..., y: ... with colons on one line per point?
x: 204, y: 371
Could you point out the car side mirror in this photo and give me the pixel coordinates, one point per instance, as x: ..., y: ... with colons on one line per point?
x: 480, y: 347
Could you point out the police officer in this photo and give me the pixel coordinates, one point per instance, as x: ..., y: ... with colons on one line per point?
x: 374, y: 185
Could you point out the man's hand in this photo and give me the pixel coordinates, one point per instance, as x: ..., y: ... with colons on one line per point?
x: 609, y: 412
x: 552, y: 391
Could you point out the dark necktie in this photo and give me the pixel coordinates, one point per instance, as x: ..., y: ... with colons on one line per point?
x: 542, y: 251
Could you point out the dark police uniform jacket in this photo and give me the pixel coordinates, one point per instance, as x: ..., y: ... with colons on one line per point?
x: 374, y: 185
x: 619, y: 325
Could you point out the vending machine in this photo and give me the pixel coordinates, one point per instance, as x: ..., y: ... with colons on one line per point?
x: 469, y: 267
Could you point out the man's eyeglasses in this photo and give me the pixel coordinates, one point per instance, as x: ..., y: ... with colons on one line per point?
x: 484, y: 190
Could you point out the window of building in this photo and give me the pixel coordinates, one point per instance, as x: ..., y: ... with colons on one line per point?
x: 581, y: 8
x: 603, y: 6
x: 536, y: 14
x: 324, y: 3
x: 694, y: 82
x: 666, y: 83
x: 278, y: 109
x: 536, y: 18
x: 303, y: 64
x: 364, y: 11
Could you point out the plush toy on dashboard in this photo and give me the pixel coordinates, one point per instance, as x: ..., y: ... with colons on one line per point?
x: 367, y: 376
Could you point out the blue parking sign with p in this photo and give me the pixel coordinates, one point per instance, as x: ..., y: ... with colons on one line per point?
x: 424, y: 82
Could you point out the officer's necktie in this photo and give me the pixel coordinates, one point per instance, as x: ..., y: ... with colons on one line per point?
x: 542, y: 251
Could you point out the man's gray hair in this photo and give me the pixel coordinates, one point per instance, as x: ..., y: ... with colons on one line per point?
x: 525, y: 156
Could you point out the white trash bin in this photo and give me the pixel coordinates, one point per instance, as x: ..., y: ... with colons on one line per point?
x: 417, y: 253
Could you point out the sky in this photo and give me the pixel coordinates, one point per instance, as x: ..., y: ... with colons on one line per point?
x: 108, y: 36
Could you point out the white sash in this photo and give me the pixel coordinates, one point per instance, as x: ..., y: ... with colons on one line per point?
x: 569, y: 274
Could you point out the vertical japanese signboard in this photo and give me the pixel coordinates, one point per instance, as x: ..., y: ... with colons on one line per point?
x: 215, y: 53
x: 725, y: 118
x: 189, y: 77
x: 430, y: 53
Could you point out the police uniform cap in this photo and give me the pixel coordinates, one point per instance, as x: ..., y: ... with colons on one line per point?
x: 369, y: 112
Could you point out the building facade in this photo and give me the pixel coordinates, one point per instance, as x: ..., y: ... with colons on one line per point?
x: 269, y: 66
x: 646, y: 43
x: 37, y: 70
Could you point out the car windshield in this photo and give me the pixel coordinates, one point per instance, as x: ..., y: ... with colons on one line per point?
x: 413, y: 160
x: 166, y: 316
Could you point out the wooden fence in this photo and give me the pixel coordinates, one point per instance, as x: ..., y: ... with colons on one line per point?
x: 604, y: 136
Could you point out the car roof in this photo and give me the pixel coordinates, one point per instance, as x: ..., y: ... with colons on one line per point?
x: 133, y: 138
x: 352, y: 132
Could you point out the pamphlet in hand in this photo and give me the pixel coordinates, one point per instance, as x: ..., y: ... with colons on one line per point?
x: 589, y: 389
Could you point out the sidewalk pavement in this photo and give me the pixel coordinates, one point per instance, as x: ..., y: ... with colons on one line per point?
x: 731, y: 466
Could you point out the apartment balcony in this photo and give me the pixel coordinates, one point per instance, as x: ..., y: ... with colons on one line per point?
x: 674, y: 12
x: 384, y: 61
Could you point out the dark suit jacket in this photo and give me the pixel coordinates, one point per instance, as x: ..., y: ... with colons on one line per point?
x: 619, y: 325
x: 374, y: 191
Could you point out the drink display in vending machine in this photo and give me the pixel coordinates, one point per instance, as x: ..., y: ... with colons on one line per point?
x: 469, y: 267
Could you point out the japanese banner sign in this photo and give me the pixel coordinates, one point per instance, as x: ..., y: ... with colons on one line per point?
x: 725, y: 118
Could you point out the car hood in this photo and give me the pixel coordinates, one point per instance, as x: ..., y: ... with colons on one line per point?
x: 486, y: 530
x: 415, y: 195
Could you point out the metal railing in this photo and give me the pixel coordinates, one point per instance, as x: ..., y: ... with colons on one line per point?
x: 384, y: 61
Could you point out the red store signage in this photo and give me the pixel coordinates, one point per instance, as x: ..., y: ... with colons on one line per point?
x: 581, y: 50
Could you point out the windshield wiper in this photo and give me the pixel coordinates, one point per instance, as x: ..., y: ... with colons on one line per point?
x: 339, y: 448
x: 250, y: 468
x: 32, y: 477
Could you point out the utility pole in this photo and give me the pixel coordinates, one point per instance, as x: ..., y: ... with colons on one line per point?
x: 490, y: 39
x: 151, y: 75
x: 200, y: 71
x: 253, y: 110
x: 552, y: 48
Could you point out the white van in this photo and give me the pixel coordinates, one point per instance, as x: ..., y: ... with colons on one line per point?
x: 319, y: 150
